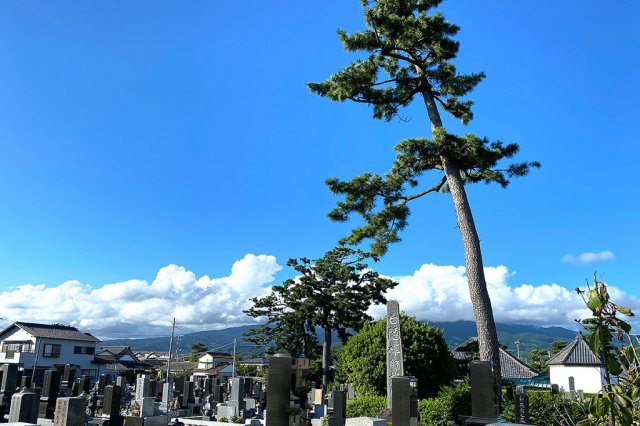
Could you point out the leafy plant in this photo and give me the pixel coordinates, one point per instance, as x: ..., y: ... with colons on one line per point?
x: 617, y: 402
x: 366, y: 406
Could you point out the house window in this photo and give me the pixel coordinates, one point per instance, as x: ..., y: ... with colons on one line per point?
x: 51, y: 350
x: 92, y: 374
x: 84, y: 350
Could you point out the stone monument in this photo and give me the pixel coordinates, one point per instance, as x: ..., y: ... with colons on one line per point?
x: 395, y: 366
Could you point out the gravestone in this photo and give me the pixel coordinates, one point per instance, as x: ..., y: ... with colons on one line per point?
x: 572, y: 387
x: 187, y: 394
x: 483, y: 406
x: 25, y: 382
x: 69, y: 411
x: 279, y: 390
x: 68, y: 376
x: 206, y: 387
x: 8, y: 384
x: 152, y: 388
x: 102, y: 382
x: 236, y: 398
x: 338, y: 405
x: 24, y: 407
x: 167, y: 395
x: 395, y: 366
x: 142, y: 387
x: 111, y: 404
x: 49, y: 393
x: 522, y: 407
x: 218, y: 393
x: 404, y: 411
x: 121, y: 381
x: 147, y: 406
x: 84, y: 384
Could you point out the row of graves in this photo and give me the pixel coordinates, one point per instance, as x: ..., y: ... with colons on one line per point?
x: 66, y: 400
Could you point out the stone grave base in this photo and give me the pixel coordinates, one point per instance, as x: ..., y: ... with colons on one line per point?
x: 365, y: 421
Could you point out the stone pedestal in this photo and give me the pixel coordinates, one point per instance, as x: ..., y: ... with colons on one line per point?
x: 69, y: 412
x: 24, y: 407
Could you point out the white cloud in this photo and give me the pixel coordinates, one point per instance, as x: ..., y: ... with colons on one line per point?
x: 587, y: 257
x: 440, y: 293
x: 136, y: 308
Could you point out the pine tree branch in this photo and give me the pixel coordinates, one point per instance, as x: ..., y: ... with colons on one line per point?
x: 434, y: 188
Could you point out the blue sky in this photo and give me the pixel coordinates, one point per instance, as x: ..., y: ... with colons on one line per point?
x: 136, y: 135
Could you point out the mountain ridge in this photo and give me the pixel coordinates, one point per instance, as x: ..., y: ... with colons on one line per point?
x: 456, y: 332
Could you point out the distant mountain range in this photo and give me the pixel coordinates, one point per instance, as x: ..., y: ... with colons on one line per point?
x: 529, y: 336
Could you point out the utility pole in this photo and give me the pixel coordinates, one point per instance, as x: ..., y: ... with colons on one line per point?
x: 517, y: 342
x: 233, y: 361
x: 173, y: 329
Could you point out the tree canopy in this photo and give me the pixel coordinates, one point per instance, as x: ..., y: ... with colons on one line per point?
x: 333, y: 293
x: 408, y: 53
x: 362, y: 360
x: 197, y: 349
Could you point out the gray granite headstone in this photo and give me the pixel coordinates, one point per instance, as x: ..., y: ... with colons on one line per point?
x: 339, y: 406
x: 522, y: 407
x: 482, y: 390
x: 279, y: 390
x: 147, y: 406
x: 395, y: 366
x: 111, y: 404
x: 404, y: 410
x: 69, y: 412
x: 121, y: 381
x: 142, y: 387
x: 187, y: 394
x: 49, y: 393
x: 8, y: 383
x: 24, y: 407
x: 167, y: 395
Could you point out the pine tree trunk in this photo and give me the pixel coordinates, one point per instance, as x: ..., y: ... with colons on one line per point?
x: 480, y: 300
x: 326, y: 357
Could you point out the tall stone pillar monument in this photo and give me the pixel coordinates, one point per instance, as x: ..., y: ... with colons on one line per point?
x: 395, y: 365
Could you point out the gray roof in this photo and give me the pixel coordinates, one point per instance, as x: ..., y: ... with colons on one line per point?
x: 53, y: 331
x: 512, y: 368
x: 575, y: 353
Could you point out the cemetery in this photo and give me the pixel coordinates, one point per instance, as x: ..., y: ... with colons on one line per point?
x: 321, y: 358
x: 285, y: 396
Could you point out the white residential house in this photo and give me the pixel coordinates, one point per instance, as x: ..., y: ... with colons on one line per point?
x: 576, y: 367
x: 212, y: 359
x: 47, y: 346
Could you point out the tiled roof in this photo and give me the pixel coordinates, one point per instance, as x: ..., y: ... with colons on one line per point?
x: 54, y: 331
x: 575, y: 353
x: 117, y: 350
x: 512, y: 368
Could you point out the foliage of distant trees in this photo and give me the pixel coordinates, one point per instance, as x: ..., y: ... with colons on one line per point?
x: 333, y: 293
x: 197, y: 350
x: 362, y: 360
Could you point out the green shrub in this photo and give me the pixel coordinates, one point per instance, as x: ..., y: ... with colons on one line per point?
x: 366, y: 406
x: 547, y: 409
x: 444, y: 409
x: 223, y: 419
x: 434, y: 412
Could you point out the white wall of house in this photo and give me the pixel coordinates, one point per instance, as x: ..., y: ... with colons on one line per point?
x: 50, y: 352
x: 586, y: 378
x: 209, y: 361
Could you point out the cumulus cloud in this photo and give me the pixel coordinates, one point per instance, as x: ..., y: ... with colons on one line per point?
x: 137, y: 308
x: 440, y: 293
x: 587, y: 257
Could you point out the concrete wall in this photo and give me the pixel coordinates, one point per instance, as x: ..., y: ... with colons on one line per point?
x: 586, y: 378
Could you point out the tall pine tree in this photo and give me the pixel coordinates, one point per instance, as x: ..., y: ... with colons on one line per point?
x: 409, y: 53
x: 333, y: 293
